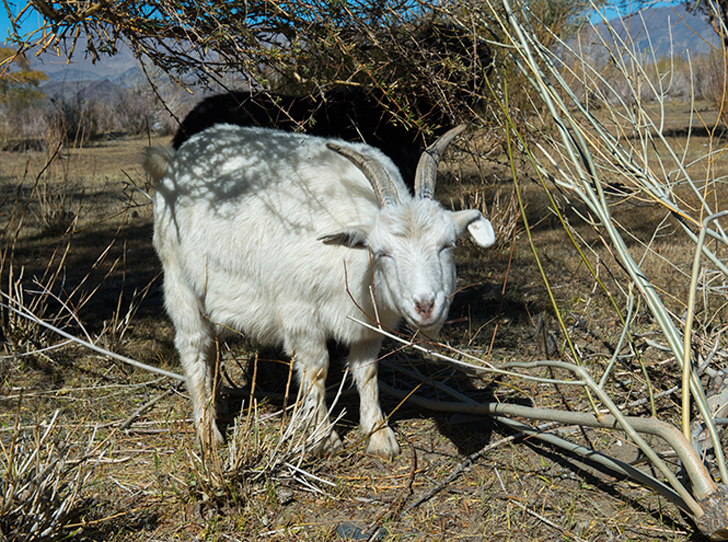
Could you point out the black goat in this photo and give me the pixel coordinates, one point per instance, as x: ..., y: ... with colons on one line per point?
x: 347, y: 113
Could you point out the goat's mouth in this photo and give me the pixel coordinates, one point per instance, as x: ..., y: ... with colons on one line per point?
x: 429, y: 333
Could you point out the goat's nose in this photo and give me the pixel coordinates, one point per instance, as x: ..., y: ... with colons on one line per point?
x: 424, y: 307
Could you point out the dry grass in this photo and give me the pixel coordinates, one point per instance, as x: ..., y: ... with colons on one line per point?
x: 147, y: 481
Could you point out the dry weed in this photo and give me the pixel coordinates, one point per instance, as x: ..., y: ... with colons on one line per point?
x: 44, y: 473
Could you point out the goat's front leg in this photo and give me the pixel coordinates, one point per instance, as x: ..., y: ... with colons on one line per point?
x: 312, y: 367
x: 364, y: 368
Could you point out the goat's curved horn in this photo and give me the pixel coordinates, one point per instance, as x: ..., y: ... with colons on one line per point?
x: 427, y: 166
x: 373, y: 171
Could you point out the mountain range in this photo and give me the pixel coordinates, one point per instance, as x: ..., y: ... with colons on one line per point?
x: 666, y: 30
x: 80, y: 76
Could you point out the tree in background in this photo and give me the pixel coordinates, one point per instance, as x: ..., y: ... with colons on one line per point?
x: 18, y: 83
x: 21, y: 101
x: 716, y: 88
x: 299, y: 47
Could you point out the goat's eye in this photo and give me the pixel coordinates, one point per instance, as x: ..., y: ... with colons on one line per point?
x: 382, y: 254
x: 447, y: 246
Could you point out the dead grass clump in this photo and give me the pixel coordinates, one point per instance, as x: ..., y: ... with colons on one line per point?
x: 56, y: 197
x: 43, y: 474
x: 56, y: 211
x: 265, y: 456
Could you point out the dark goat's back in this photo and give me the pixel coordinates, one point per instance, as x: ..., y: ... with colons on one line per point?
x: 346, y: 113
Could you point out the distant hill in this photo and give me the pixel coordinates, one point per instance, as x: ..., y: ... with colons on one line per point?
x: 668, y: 30
x: 101, y: 80
x: 82, y: 68
x: 69, y: 75
x: 90, y: 90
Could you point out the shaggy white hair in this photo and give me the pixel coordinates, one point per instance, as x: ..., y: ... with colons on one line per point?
x: 280, y: 236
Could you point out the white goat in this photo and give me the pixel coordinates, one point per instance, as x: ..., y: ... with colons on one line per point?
x: 281, y: 236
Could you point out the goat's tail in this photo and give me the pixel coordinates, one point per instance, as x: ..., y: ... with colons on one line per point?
x: 156, y: 160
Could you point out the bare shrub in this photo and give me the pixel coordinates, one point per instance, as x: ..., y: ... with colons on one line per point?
x: 676, y: 78
x: 21, y: 126
x: 52, y: 204
x: 715, y: 83
x: 134, y: 110
x: 642, y: 78
x: 501, y: 209
x: 148, y: 105
x: 73, y: 121
x: 56, y: 209
x: 171, y: 111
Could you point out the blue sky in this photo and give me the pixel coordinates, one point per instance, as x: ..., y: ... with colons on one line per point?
x: 611, y: 12
x: 30, y: 22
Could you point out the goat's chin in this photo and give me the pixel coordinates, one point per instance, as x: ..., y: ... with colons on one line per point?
x: 427, y: 329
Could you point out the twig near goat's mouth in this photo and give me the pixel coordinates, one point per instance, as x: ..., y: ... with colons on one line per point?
x: 470, y: 368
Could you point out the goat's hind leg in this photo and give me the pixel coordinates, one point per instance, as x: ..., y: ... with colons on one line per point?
x: 195, y: 343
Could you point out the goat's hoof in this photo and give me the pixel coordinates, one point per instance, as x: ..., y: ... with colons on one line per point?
x: 328, y: 445
x: 210, y: 435
x: 383, y: 443
x: 217, y: 436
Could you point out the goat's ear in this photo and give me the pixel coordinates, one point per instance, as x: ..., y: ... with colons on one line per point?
x: 351, y: 236
x: 478, y: 226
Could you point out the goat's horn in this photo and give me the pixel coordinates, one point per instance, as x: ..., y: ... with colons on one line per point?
x: 427, y: 166
x: 373, y: 171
